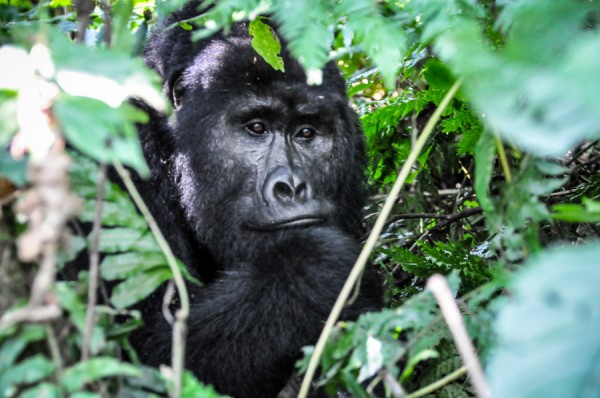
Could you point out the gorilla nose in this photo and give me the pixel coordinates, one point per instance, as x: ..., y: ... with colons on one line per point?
x: 284, y: 186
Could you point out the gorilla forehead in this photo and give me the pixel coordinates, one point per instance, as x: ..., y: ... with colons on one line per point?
x: 230, y: 63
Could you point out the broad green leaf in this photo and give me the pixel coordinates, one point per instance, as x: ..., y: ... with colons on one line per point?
x: 304, y: 25
x: 537, y: 91
x: 77, y: 376
x: 588, y: 212
x: 548, y: 329
x: 71, y: 302
x: 107, y: 75
x: 193, y: 388
x: 44, y: 390
x: 116, y: 240
x: 137, y: 287
x: 14, y: 346
x: 101, y: 131
x: 382, y: 40
x: 30, y: 370
x: 266, y: 43
x: 121, y: 266
x: 14, y: 170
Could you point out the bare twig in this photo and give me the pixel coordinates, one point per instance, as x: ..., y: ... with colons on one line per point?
x: 84, y: 8
x: 105, y: 5
x: 439, y: 287
x: 30, y: 314
x: 395, y: 387
x: 372, y: 241
x: 94, y: 265
x: 179, y: 328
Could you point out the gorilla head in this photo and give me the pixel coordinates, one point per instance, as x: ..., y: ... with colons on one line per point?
x: 273, y: 151
x: 257, y: 184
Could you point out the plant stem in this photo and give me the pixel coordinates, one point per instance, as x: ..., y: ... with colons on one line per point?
x: 94, y: 265
x: 436, y: 385
x: 179, y: 328
x: 439, y: 287
x: 372, y: 241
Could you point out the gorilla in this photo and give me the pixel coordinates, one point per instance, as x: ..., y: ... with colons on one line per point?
x: 257, y: 182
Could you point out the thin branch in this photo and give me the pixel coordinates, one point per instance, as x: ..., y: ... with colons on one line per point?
x: 439, y: 287
x: 105, y: 5
x: 393, y: 384
x: 94, y: 265
x: 84, y: 8
x: 30, y: 314
x: 372, y: 241
x: 449, y: 217
x: 179, y: 328
x: 436, y: 385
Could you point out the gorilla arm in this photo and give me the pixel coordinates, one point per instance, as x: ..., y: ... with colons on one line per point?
x: 247, y: 329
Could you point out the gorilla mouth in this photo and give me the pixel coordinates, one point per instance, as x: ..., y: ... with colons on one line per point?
x: 293, y: 222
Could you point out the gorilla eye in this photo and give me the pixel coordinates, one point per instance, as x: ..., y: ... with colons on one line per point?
x: 306, y: 133
x: 256, y: 128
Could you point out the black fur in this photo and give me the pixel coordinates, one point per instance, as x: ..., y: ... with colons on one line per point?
x: 229, y: 201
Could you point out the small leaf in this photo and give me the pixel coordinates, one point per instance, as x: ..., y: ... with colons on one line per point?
x: 266, y: 43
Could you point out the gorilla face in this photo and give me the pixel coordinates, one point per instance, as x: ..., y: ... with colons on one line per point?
x: 266, y: 147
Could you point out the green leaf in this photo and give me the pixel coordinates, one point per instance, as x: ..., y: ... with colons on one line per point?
x: 117, y: 240
x: 137, y: 287
x: 193, y: 388
x: 485, y: 152
x: 384, y: 41
x: 30, y: 370
x: 111, y: 135
x: 13, y: 347
x: 44, y: 390
x: 537, y: 91
x: 14, y: 170
x: 121, y: 266
x: 304, y: 25
x: 70, y: 301
x: 266, y: 43
x: 77, y: 376
x: 588, y: 212
x: 548, y: 329
x: 8, y: 115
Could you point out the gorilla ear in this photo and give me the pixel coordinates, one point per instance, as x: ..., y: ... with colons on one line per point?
x: 177, y: 92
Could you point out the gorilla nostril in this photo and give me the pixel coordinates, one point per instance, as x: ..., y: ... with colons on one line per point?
x: 283, y: 191
x: 301, y: 191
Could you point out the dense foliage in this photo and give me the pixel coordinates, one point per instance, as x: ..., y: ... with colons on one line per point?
x: 504, y: 198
